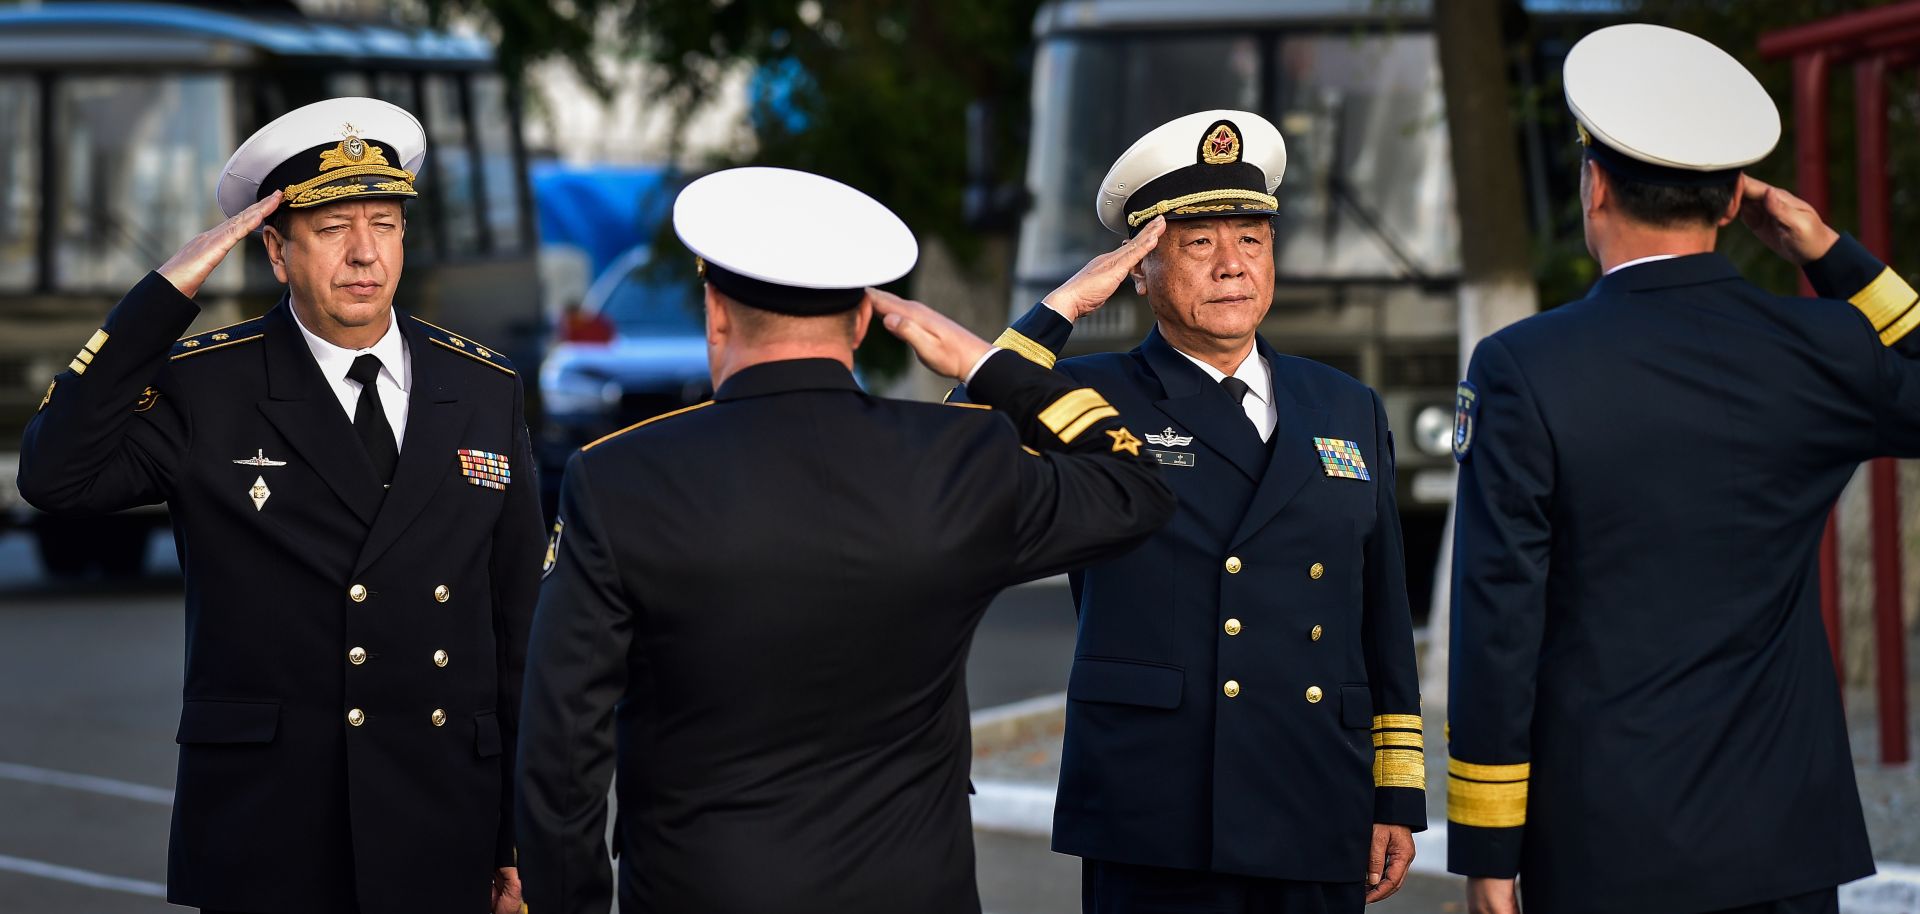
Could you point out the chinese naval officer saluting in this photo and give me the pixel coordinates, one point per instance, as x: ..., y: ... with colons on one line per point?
x: 1644, y: 713
x: 1243, y: 715
x: 759, y: 607
x: 360, y: 538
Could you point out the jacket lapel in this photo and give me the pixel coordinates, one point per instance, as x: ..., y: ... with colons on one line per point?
x: 1292, y: 459
x: 304, y: 409
x: 1202, y: 408
x: 435, y: 419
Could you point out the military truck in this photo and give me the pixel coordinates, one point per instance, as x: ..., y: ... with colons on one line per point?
x: 117, y: 118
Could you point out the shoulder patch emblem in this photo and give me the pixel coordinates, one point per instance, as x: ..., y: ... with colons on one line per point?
x: 218, y: 338
x: 454, y: 342
x: 49, y: 396
x: 1466, y: 412
x: 553, y: 548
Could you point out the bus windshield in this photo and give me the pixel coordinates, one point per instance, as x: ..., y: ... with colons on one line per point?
x: 1368, y: 191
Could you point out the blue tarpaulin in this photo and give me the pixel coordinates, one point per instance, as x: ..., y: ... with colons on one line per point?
x: 602, y: 209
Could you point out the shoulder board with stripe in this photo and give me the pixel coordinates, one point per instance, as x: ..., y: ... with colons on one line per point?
x: 454, y: 342
x: 220, y: 338
x: 643, y: 424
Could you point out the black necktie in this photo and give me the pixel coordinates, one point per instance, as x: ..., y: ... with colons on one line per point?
x: 370, y: 418
x: 1236, y: 388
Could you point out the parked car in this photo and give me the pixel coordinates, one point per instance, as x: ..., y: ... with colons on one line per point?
x: 634, y: 349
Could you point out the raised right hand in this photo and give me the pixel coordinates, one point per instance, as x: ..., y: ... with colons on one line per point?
x: 1786, y: 224
x: 946, y: 348
x: 189, y: 268
x: 1101, y: 277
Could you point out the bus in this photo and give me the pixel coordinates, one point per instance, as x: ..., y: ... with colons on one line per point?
x: 1368, y: 241
x: 117, y: 118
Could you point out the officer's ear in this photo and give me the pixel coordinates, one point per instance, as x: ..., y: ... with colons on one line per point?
x: 862, y: 317
x: 1595, y: 193
x: 273, y: 235
x: 719, y: 322
x: 1733, y: 206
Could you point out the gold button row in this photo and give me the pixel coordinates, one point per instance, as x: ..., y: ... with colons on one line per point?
x: 356, y: 717
x: 358, y: 656
x: 1231, y: 688
x: 358, y: 593
x: 1234, y: 627
x: 1316, y: 571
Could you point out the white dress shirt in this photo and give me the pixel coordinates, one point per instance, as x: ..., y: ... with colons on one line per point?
x: 1638, y: 261
x: 396, y: 372
x: 1258, y: 403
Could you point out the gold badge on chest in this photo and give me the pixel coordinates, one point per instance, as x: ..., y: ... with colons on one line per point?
x: 259, y: 493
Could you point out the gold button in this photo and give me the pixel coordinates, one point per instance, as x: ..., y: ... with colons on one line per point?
x: 358, y: 592
x: 1317, y: 571
x: 1313, y: 695
x: 439, y: 658
x: 1232, y: 688
x: 1233, y: 626
x: 1316, y: 633
x: 1233, y: 564
x: 439, y: 717
x: 442, y: 594
x: 355, y: 717
x: 357, y: 656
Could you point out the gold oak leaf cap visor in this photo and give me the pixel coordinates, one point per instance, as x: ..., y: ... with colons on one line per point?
x: 1204, y: 165
x: 790, y: 241
x: 1661, y: 106
x: 332, y: 150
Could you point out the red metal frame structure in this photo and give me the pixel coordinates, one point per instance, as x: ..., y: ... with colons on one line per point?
x: 1874, y: 41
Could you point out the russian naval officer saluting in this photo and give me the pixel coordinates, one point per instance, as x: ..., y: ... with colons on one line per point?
x: 1644, y: 714
x: 759, y: 607
x: 1243, y: 716
x: 360, y: 539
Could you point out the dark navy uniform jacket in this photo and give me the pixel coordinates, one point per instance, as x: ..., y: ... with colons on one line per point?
x: 758, y: 612
x: 1644, y: 713
x: 353, y: 654
x: 1243, y: 696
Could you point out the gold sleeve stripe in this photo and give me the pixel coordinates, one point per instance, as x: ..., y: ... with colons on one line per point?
x: 1396, y: 722
x: 86, y: 355
x: 1901, y: 327
x: 644, y: 422
x: 1030, y: 450
x: 97, y: 342
x: 1071, y: 406
x: 1486, y: 805
x: 1034, y: 352
x: 1086, y: 421
x: 1495, y: 773
x: 1400, y: 768
x: 965, y: 405
x: 77, y: 367
x: 1884, y: 299
x: 1399, y: 738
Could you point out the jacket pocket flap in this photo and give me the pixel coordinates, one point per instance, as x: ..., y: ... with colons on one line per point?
x: 1125, y: 682
x: 486, y: 734
x: 228, y: 722
x: 1356, y: 707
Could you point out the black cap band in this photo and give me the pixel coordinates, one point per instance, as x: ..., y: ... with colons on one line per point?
x: 780, y: 299
x: 1624, y: 166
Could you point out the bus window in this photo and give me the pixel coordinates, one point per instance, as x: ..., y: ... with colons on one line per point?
x: 1369, y: 185
x: 19, y: 182
x: 449, y: 169
x: 138, y: 157
x: 495, y: 128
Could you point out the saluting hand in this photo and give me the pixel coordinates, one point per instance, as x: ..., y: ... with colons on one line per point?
x: 1101, y: 277
x: 946, y: 348
x: 1786, y: 224
x: 189, y: 268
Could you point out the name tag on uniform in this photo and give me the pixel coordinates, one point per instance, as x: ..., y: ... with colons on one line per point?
x: 1172, y: 458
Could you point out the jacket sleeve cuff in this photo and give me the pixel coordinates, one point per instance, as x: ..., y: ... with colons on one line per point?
x: 1846, y: 268
x: 1038, y: 335
x: 1400, y: 806
x: 1001, y: 378
x: 1491, y: 853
